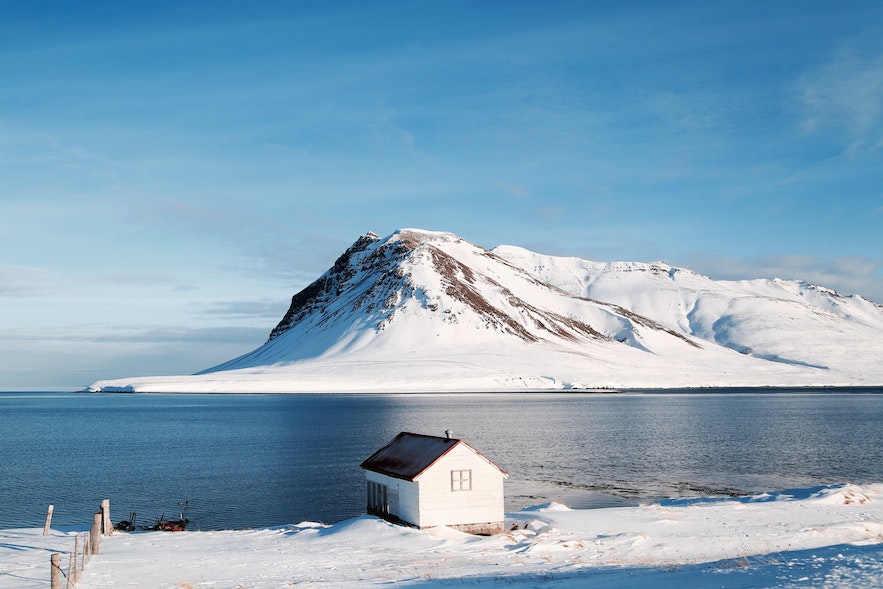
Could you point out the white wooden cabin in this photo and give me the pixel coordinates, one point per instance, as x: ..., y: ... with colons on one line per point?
x: 427, y: 481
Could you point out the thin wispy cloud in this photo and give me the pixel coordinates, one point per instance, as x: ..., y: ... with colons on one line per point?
x: 140, y: 334
x: 266, y: 247
x: 69, y: 357
x: 20, y: 282
x: 849, y: 275
x: 844, y: 95
x: 265, y: 309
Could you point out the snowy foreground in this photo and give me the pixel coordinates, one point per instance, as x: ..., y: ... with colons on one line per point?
x: 830, y: 536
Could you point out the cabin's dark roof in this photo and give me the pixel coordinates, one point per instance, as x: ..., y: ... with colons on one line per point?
x: 408, y: 455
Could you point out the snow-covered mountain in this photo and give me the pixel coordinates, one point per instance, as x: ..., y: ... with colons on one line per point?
x: 782, y: 321
x: 428, y: 311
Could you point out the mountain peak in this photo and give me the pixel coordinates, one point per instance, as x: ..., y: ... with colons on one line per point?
x: 416, y: 284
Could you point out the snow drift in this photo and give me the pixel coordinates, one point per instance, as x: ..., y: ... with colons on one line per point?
x: 428, y: 311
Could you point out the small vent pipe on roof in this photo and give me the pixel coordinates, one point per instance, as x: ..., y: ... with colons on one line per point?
x: 449, y: 434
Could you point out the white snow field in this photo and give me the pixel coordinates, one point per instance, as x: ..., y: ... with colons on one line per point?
x: 823, y: 537
x: 427, y: 311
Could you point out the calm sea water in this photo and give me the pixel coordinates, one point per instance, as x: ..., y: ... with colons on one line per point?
x: 245, y: 461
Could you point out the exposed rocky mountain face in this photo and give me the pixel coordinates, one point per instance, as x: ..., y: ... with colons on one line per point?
x: 428, y: 311
x: 435, y: 285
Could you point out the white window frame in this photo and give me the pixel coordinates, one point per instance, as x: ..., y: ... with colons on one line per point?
x: 461, y: 480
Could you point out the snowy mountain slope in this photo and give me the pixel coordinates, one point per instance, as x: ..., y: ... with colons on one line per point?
x: 428, y: 311
x: 389, y: 293
x: 783, y: 321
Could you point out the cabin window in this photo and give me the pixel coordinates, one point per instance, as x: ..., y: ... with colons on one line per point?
x: 461, y: 480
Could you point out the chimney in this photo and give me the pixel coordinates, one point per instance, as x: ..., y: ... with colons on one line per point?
x: 449, y: 434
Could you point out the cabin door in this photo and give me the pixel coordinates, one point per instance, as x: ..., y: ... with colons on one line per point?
x: 378, y: 499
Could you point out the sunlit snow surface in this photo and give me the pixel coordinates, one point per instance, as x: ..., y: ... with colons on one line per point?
x: 427, y: 311
x: 827, y: 536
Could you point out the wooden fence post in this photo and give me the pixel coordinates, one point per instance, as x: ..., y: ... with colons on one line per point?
x: 95, y: 533
x: 76, y: 556
x: 48, y: 520
x: 70, y: 572
x: 105, y: 517
x: 55, y: 578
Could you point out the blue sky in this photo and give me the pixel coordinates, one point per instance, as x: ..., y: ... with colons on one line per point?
x: 172, y: 172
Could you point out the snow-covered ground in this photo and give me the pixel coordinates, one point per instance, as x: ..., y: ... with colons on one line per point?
x: 513, y: 368
x: 823, y: 537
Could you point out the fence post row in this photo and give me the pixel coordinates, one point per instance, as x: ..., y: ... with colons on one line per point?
x: 91, y: 542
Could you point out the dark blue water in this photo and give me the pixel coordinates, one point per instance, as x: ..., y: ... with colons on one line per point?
x: 245, y: 461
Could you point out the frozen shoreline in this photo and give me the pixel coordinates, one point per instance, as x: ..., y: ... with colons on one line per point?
x: 826, y: 535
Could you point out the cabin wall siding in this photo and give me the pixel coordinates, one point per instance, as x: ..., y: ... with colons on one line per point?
x: 439, y: 505
x: 406, y: 507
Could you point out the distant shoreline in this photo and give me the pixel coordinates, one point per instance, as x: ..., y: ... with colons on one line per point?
x: 776, y: 390
x: 772, y: 389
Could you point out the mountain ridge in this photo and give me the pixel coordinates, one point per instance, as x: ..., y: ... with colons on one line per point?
x: 423, y: 310
x: 714, y: 311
